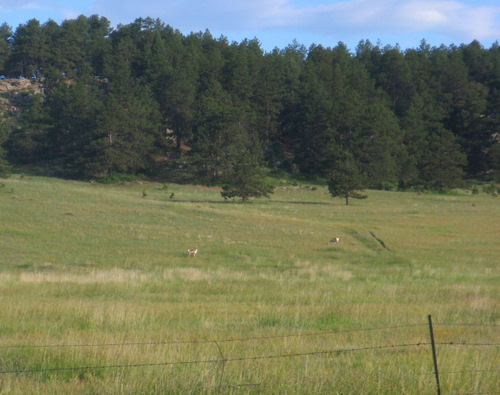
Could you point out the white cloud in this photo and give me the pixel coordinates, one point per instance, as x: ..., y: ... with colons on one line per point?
x: 446, y: 17
x: 451, y: 18
x: 317, y: 20
x: 8, y: 6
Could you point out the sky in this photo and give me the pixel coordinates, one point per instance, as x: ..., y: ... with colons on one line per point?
x: 277, y: 23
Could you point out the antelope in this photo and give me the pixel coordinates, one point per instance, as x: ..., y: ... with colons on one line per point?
x: 192, y: 252
x: 334, y: 240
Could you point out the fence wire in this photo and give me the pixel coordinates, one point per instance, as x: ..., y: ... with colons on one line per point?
x: 223, y: 360
x: 208, y: 341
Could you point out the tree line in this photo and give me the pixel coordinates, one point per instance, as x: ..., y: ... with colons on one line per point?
x: 143, y: 98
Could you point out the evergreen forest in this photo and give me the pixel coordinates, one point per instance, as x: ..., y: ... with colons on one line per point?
x: 145, y: 99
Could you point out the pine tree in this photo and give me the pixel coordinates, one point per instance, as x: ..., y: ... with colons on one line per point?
x: 5, y: 45
x: 213, y: 133
x: 441, y: 167
x: 27, y: 141
x: 73, y: 112
x: 311, y: 126
x: 245, y: 179
x: 179, y: 99
x: 346, y: 180
x: 377, y: 145
x: 127, y: 125
x: 4, y: 165
x: 28, y: 46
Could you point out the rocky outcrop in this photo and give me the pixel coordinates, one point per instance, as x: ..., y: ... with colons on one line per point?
x: 9, y: 85
x: 16, y: 95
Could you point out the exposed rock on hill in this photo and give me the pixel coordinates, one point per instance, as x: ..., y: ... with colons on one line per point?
x: 16, y: 84
x: 16, y: 94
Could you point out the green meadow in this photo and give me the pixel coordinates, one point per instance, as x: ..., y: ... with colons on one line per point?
x: 98, y: 295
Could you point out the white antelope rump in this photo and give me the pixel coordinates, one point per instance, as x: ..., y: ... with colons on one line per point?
x: 192, y: 252
x: 334, y: 240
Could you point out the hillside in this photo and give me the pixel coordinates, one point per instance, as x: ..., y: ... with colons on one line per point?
x: 422, y: 118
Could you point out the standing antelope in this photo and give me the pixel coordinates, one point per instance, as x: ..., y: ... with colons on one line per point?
x: 192, y: 252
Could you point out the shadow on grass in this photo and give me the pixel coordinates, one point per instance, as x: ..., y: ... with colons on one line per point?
x: 248, y: 202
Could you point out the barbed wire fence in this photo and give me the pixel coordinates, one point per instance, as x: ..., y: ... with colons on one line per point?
x: 222, y: 360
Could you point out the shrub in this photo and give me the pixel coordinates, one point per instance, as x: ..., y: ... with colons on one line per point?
x: 387, y: 186
x: 491, y: 189
x: 118, y: 178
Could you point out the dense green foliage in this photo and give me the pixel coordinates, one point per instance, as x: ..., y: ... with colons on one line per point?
x: 144, y: 98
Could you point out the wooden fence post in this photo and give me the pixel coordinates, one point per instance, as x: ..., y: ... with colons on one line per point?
x: 434, y: 358
x: 223, y: 360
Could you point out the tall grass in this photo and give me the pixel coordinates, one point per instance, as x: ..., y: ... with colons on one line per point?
x: 88, y: 264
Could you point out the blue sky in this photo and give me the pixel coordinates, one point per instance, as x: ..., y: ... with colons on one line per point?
x: 276, y: 23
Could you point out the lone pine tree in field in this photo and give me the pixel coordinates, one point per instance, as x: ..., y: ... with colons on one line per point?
x: 346, y: 180
x: 245, y: 180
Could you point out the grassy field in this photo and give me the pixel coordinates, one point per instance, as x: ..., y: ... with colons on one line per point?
x: 97, y: 294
